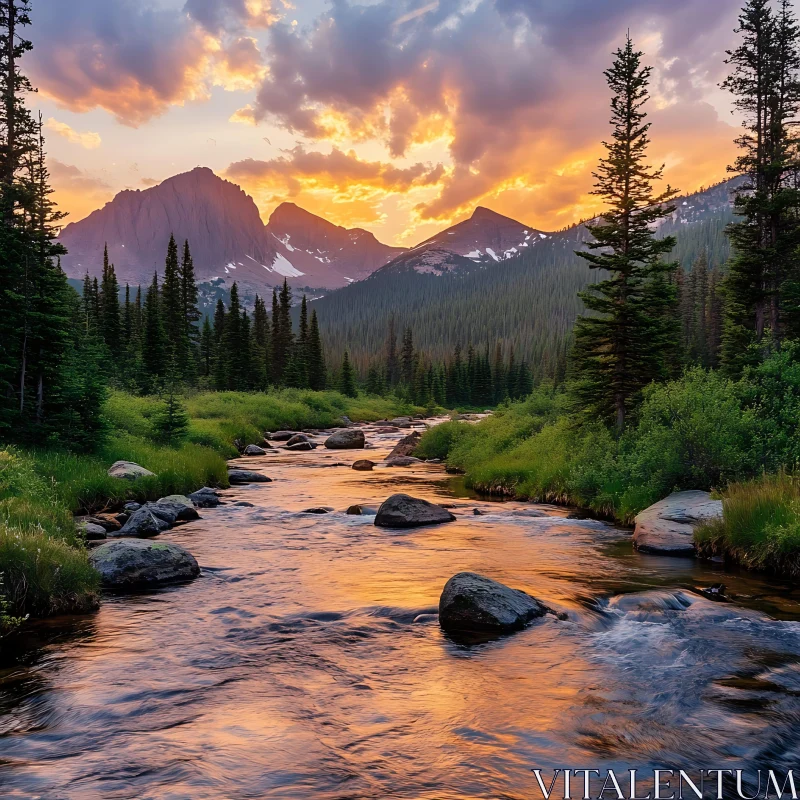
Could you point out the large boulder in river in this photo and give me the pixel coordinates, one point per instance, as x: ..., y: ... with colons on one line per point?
x: 402, y: 461
x: 404, y: 511
x: 128, y: 470
x: 298, y: 438
x: 282, y: 436
x: 145, y: 523
x: 205, y: 498
x: 667, y: 527
x: 472, y: 602
x: 407, y: 445
x: 302, y: 446
x: 254, y: 450
x: 363, y: 465
x: 139, y: 564
x: 350, y: 439
x: 241, y: 476
x: 181, y: 505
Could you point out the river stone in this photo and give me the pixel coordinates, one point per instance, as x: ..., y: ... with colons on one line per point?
x: 363, y: 465
x: 139, y: 564
x: 296, y: 439
x: 182, y: 507
x: 108, y: 524
x: 667, y: 527
x: 358, y: 510
x: 144, y: 523
x: 131, y: 507
x: 404, y: 511
x: 254, y: 450
x: 402, y: 461
x: 301, y: 446
x: 128, y: 470
x: 205, y: 498
x: 472, y: 602
x: 282, y: 436
x: 240, y: 476
x: 350, y: 439
x: 407, y: 445
x: 93, y: 532
x: 317, y: 510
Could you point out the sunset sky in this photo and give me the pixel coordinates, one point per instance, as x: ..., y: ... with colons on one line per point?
x: 399, y: 116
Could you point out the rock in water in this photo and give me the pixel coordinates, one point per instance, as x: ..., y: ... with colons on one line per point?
x: 139, y: 564
x: 298, y: 438
x: 350, y: 439
x: 407, y: 445
x: 363, y: 465
x: 404, y: 511
x: 402, y: 461
x: 128, y: 470
x: 181, y: 506
x: 254, y: 450
x: 282, y: 436
x: 240, y: 476
x: 93, y: 532
x: 144, y: 523
x: 205, y: 498
x: 667, y: 527
x: 472, y: 602
x: 302, y: 447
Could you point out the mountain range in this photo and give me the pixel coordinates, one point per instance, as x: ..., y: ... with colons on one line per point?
x: 230, y: 242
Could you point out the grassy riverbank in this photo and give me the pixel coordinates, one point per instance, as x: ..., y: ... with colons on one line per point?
x: 699, y: 432
x: 43, y: 562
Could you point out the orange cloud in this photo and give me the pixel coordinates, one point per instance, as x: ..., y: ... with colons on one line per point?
x: 76, y: 190
x: 88, y: 139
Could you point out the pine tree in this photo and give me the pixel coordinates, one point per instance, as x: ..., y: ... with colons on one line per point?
x: 110, y: 325
x: 188, y: 350
x: 317, y: 374
x: 499, y: 378
x: 220, y: 355
x: 407, y: 358
x: 347, y: 378
x: 206, y: 349
x: 231, y: 344
x: 625, y: 343
x: 261, y: 345
x: 392, y: 361
x: 374, y: 383
x: 127, y: 320
x: 172, y: 310
x: 171, y: 420
x: 155, y: 354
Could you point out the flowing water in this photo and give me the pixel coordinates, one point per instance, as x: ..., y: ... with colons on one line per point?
x: 307, y: 660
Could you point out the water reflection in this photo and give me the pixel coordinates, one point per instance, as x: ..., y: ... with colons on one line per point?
x: 307, y: 661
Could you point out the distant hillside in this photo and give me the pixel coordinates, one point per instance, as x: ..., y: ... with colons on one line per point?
x: 528, y: 300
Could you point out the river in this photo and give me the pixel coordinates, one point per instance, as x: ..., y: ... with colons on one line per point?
x: 307, y: 661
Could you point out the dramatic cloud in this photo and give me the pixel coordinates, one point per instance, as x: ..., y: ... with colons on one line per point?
x: 87, y: 139
x: 514, y: 87
x: 217, y: 16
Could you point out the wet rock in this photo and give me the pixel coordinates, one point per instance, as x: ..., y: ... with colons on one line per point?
x: 242, y: 476
x: 205, y: 498
x: 384, y: 429
x: 108, y: 524
x: 317, y: 510
x: 475, y: 603
x: 128, y: 471
x: 667, y: 527
x: 301, y: 446
x: 477, y: 512
x: 282, y: 436
x: 244, y: 504
x: 404, y: 511
x: 363, y: 465
x: 533, y: 513
x: 92, y: 532
x: 714, y: 592
x: 402, y: 461
x: 122, y: 518
x: 350, y: 439
x: 296, y: 439
x: 407, y: 445
x: 143, y: 524
x: 254, y: 450
x: 182, y: 505
x: 131, y: 507
x: 139, y: 564
x: 359, y: 510
x: 400, y: 422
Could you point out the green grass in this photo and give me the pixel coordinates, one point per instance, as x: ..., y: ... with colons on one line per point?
x: 44, y: 567
x: 760, y: 526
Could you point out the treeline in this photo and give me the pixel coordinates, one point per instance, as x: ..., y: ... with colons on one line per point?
x: 50, y: 388
x: 154, y: 343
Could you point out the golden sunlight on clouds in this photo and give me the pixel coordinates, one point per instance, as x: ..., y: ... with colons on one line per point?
x: 77, y: 192
x: 87, y: 139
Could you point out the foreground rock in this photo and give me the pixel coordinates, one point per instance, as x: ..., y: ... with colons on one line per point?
x: 363, y: 465
x: 475, y: 603
x: 302, y: 447
x: 402, y: 461
x: 404, y: 511
x: 128, y: 470
x: 351, y: 439
x: 667, y: 527
x: 181, y: 505
x: 205, y: 498
x: 407, y: 445
x: 92, y: 532
x: 145, y: 523
x: 298, y: 438
x: 242, y: 476
x: 254, y: 450
x: 139, y: 564
x: 281, y: 436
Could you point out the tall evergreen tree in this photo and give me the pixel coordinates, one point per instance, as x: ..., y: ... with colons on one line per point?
x: 626, y: 342
x: 155, y: 350
x: 172, y: 309
x: 347, y: 378
x: 261, y: 344
x: 317, y: 374
x: 110, y: 324
x: 188, y: 349
x: 392, y: 360
x: 407, y: 358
